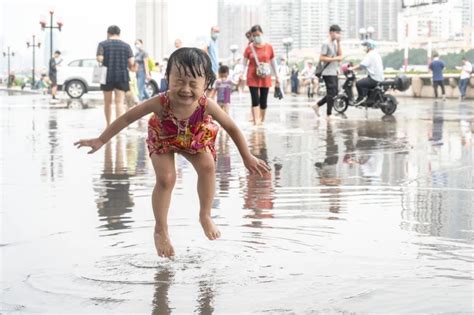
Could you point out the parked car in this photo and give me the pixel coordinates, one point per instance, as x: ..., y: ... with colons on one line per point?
x: 76, y: 78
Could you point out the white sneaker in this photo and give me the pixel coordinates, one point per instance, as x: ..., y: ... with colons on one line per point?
x: 315, y: 107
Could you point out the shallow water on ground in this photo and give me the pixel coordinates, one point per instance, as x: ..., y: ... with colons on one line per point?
x: 369, y: 213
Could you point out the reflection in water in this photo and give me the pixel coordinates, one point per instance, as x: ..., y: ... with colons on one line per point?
x: 205, y: 298
x: 55, y: 164
x: 224, y: 164
x: 77, y: 103
x: 163, y: 279
x: 328, y: 172
x: 436, y: 136
x: 116, y: 200
x: 259, y: 190
x: 402, y: 209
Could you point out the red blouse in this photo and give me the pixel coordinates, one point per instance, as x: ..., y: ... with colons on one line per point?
x: 264, y: 54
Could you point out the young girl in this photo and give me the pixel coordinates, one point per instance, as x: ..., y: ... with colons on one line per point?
x: 182, y: 122
x: 224, y: 88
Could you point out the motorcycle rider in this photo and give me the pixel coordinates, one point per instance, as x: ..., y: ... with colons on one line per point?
x: 374, y: 66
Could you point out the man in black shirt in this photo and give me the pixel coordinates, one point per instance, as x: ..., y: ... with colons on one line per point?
x: 117, y: 56
x: 53, y: 72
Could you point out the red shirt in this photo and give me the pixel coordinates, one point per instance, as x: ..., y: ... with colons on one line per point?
x: 264, y: 54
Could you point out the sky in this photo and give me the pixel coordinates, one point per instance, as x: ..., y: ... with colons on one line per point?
x: 86, y: 22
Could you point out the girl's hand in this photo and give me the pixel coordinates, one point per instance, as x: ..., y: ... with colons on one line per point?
x: 255, y: 165
x: 277, y: 82
x: 95, y: 144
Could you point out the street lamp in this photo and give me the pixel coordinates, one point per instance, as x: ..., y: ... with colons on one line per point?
x: 8, y: 54
x: 51, y: 27
x: 34, y: 45
x: 233, y: 50
x: 287, y: 42
x: 366, y: 33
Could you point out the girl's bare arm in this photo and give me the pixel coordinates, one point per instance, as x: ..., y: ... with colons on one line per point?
x: 253, y: 164
x: 150, y: 105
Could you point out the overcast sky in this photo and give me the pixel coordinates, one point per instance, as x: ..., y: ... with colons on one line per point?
x: 86, y: 22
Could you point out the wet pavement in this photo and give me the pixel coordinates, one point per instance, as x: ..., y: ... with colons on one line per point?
x: 366, y: 214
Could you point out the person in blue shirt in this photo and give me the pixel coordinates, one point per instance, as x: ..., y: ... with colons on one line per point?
x: 436, y: 67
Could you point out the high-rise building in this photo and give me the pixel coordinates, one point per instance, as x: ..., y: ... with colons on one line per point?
x: 234, y: 20
x: 467, y: 13
x: 305, y: 21
x: 308, y: 21
x: 382, y: 15
x: 436, y: 19
x: 152, y: 26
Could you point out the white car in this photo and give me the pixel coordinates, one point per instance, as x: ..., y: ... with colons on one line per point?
x: 76, y: 78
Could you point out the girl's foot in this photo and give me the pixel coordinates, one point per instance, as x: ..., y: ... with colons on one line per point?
x: 163, y: 245
x: 209, y: 227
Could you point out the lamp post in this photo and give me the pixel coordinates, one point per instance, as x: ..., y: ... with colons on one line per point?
x: 233, y: 50
x: 429, y: 43
x: 287, y: 42
x: 34, y: 45
x: 405, y: 52
x: 366, y: 33
x: 8, y: 54
x: 51, y: 27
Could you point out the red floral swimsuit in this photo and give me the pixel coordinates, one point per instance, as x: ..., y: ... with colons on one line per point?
x: 192, y: 135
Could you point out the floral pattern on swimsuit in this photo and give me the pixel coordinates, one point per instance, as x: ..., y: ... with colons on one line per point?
x: 195, y: 134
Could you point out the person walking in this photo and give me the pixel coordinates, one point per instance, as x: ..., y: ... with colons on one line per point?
x: 143, y: 71
x: 260, y: 59
x: 117, y: 56
x: 54, y: 62
x: 331, y: 55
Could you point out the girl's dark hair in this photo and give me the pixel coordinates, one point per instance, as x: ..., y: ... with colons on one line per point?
x: 256, y: 28
x: 140, y: 41
x: 191, y: 61
x: 223, y: 69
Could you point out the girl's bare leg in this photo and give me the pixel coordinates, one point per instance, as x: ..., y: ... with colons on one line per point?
x: 165, y: 179
x: 204, y: 165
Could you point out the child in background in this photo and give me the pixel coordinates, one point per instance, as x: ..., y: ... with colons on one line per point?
x: 224, y: 88
x: 182, y: 122
x: 131, y: 96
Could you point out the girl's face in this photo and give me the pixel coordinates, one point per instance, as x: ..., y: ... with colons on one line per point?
x: 185, y: 89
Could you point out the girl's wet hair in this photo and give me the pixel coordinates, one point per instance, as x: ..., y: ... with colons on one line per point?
x: 192, y: 62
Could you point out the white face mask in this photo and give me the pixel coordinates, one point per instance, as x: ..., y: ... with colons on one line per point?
x: 138, y: 46
x: 215, y: 36
x: 258, y: 39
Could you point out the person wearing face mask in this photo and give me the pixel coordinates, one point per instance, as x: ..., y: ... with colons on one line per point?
x: 260, y: 60
x: 330, y: 57
x: 211, y: 48
x: 143, y: 72
x: 374, y: 66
